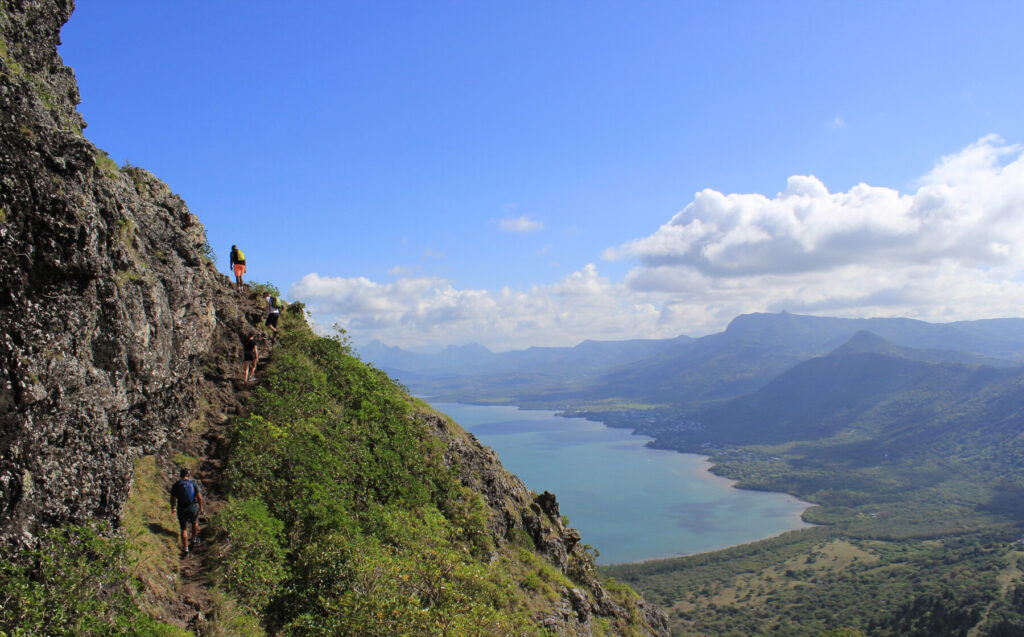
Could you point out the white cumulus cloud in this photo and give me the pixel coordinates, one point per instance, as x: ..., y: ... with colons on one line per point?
x: 967, y: 209
x: 520, y: 224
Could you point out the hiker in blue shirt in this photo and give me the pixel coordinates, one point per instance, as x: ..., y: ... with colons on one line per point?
x: 185, y: 497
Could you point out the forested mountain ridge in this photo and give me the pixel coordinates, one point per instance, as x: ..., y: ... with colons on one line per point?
x: 819, y: 397
x: 914, y: 463
x: 338, y: 504
x: 865, y: 341
x: 868, y: 423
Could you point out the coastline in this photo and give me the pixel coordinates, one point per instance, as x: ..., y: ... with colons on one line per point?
x: 708, y: 522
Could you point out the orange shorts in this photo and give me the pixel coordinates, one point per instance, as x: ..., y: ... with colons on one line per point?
x: 239, y: 269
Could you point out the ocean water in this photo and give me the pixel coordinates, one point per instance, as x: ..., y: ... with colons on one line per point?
x: 630, y: 502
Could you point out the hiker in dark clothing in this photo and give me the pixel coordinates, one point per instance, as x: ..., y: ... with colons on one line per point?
x: 252, y: 357
x: 187, y: 502
x: 238, y: 265
x: 273, y: 313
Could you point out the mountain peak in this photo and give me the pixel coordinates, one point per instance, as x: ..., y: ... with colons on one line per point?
x: 863, y: 342
x: 468, y: 348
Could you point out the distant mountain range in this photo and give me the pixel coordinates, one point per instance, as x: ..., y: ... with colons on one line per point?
x: 870, y: 384
x: 474, y: 358
x: 688, y: 373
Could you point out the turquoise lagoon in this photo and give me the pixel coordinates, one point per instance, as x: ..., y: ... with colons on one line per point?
x: 630, y: 502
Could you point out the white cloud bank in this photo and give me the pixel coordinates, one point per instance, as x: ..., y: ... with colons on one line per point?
x: 953, y: 249
x: 423, y: 311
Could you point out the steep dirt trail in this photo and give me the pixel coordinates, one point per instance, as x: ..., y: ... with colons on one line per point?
x: 224, y: 397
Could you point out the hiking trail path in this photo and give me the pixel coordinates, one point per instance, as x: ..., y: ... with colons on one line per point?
x: 224, y: 397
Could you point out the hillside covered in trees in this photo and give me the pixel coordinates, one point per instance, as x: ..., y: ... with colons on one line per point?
x: 914, y: 461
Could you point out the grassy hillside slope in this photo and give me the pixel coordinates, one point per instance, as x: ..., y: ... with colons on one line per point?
x: 349, y: 513
x: 348, y: 507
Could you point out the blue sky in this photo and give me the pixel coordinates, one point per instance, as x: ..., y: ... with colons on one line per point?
x: 511, y: 173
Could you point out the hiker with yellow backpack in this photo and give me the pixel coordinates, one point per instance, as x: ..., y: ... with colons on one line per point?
x: 238, y: 265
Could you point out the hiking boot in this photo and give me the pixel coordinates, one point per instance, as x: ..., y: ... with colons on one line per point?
x: 194, y: 543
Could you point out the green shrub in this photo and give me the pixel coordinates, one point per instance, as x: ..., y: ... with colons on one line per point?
x: 407, y: 578
x: 249, y: 550
x: 533, y: 582
x: 263, y: 289
x: 107, y: 165
x: 75, y: 582
x: 206, y: 250
x: 228, y: 619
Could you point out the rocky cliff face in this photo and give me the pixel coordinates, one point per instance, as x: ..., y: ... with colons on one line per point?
x: 515, y: 508
x: 107, y: 305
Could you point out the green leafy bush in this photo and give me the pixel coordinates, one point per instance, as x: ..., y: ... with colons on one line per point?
x: 76, y: 582
x: 263, y: 289
x: 107, y: 165
x: 248, y: 541
x: 209, y: 255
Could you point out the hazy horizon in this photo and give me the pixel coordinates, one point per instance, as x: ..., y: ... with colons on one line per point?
x: 435, y: 349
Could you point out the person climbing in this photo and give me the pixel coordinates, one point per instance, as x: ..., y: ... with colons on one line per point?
x: 252, y: 356
x: 273, y: 313
x: 238, y: 265
x: 187, y: 502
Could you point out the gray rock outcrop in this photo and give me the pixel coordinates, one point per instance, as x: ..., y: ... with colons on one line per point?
x: 515, y: 508
x: 107, y: 305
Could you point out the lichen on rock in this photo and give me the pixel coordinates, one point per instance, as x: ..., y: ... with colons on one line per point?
x: 106, y: 304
